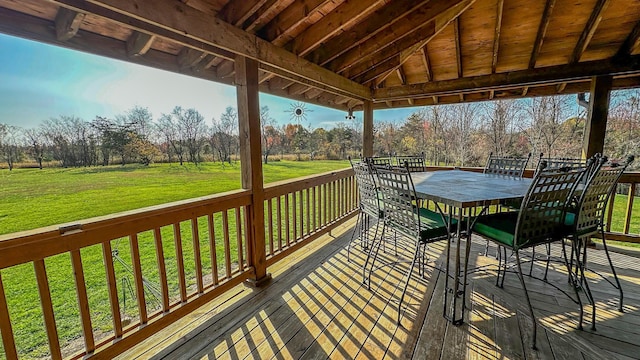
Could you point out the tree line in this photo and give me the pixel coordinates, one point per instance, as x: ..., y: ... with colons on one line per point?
x: 460, y: 134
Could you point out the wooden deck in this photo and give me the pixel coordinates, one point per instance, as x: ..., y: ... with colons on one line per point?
x: 316, y: 307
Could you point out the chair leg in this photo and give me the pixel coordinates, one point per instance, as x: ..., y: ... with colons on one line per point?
x: 575, y: 284
x: 586, y: 285
x: 406, y: 282
x: 504, y: 264
x: 358, y: 223
x: 375, y: 247
x: 486, y: 249
x: 499, y: 267
x: 613, y: 270
x: 546, y: 268
x: 533, y: 259
x: 526, y: 294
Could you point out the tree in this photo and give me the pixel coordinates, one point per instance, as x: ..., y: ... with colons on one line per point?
x: 140, y: 149
x: 35, y: 142
x: 498, y: 126
x: 168, y: 128
x: 269, y: 133
x: 9, y: 144
x: 224, y: 134
x: 190, y: 128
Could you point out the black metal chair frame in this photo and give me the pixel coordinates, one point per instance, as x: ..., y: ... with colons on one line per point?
x: 540, y: 220
x: 506, y: 165
x: 415, y: 163
x: 402, y: 216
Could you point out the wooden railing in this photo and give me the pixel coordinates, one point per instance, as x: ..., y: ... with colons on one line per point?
x: 171, y: 258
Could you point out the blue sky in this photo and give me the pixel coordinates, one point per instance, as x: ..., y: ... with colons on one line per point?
x: 39, y: 81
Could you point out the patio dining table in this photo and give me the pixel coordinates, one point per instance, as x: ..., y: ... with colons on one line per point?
x: 463, y: 193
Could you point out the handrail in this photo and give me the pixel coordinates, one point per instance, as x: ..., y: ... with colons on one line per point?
x: 182, y: 235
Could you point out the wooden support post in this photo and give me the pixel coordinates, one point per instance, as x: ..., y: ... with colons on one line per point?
x: 251, y: 163
x: 367, y: 131
x: 596, y: 125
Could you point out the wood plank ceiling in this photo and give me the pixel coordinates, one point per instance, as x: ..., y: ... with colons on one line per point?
x: 338, y: 53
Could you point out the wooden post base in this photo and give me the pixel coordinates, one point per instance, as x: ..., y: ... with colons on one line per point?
x: 265, y: 280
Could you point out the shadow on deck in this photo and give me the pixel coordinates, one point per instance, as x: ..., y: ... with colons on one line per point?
x: 316, y: 307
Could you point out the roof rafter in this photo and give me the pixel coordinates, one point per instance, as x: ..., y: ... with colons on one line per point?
x: 589, y: 30
x: 415, y: 26
x: 542, y: 31
x: 427, y: 63
x: 382, y: 63
x: 259, y: 18
x: 631, y: 43
x: 67, y: 23
x: 182, y: 23
x: 139, y: 43
x: 290, y: 18
x: 345, y: 15
x: 496, y: 36
x: 529, y: 77
x: 236, y: 12
x: 456, y: 39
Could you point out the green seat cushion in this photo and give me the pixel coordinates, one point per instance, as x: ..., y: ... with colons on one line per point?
x: 499, y: 227
x: 570, y: 223
x: 431, y: 225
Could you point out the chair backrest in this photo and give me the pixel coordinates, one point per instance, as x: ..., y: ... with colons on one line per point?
x: 367, y: 188
x: 506, y: 165
x: 594, y: 198
x: 542, y: 213
x: 397, y: 194
x: 415, y: 163
x: 375, y: 161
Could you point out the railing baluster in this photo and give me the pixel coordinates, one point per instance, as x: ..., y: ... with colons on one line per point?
x: 239, y: 240
x: 113, y: 291
x: 627, y: 217
x: 195, y: 233
x: 83, y: 302
x: 301, y: 217
x: 295, y: 217
x: 270, y: 225
x: 177, y: 239
x: 610, y: 211
x: 325, y: 195
x: 308, y: 224
x: 279, y: 219
x: 315, y: 208
x: 47, y: 308
x: 6, y: 330
x: 162, y: 270
x: 287, y: 219
x: 137, y: 274
x: 212, y: 246
x: 227, y: 250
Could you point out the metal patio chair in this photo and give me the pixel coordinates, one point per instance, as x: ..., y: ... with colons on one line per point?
x: 540, y: 220
x: 419, y: 225
x: 588, y: 218
x: 415, y: 163
x: 378, y: 160
x: 369, y: 204
x: 506, y: 165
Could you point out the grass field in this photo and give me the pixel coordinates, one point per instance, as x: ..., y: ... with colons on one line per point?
x: 32, y: 198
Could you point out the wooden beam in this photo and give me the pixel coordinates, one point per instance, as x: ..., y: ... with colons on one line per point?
x: 560, y: 87
x: 225, y: 70
x: 631, y: 43
x: 380, y: 64
x: 456, y: 39
x: 542, y: 31
x: 183, y: 21
x: 204, y: 64
x: 496, y: 36
x: 189, y: 57
x: 280, y: 28
x: 67, y: 23
x: 367, y: 129
x: 297, y: 89
x: 341, y: 18
x: 427, y: 63
x: 401, y: 76
x: 589, y: 30
x: 251, y: 163
x: 529, y: 77
x: 279, y: 83
x: 236, y: 12
x: 414, y: 28
x: 596, y: 125
x: 524, y: 91
x: 312, y: 93
x: 139, y: 43
x: 259, y: 19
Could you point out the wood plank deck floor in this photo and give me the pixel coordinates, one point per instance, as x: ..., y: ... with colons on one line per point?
x: 316, y: 307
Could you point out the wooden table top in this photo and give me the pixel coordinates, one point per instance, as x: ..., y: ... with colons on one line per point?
x: 463, y: 189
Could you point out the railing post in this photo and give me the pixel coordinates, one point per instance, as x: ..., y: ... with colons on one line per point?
x: 596, y: 125
x: 251, y: 163
x: 367, y: 131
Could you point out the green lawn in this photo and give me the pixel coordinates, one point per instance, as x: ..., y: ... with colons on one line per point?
x: 34, y: 198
